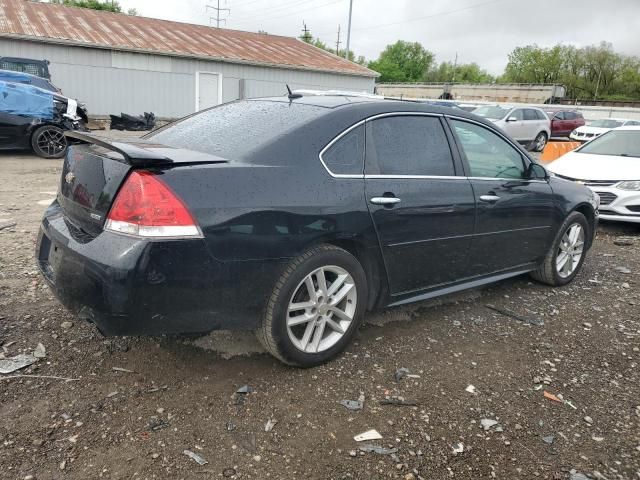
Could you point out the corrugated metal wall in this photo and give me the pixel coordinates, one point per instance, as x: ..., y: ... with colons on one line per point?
x: 113, y: 82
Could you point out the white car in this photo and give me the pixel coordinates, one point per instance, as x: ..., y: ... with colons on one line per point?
x: 610, y: 166
x: 598, y: 127
x: 529, y: 126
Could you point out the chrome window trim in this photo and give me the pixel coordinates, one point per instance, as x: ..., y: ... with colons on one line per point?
x: 423, y: 177
x: 356, y: 125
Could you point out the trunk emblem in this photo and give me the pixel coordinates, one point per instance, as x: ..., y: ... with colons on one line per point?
x: 69, y: 177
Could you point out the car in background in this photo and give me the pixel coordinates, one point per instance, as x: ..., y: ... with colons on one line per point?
x: 598, y: 127
x: 39, y: 68
x: 337, y: 205
x: 28, y: 79
x: 34, y: 115
x: 564, y: 121
x: 610, y: 166
x: 528, y: 126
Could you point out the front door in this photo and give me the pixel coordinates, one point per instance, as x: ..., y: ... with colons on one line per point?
x: 423, y: 212
x: 515, y: 215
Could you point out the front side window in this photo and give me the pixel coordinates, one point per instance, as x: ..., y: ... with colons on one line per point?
x: 570, y: 116
x: 408, y: 145
x: 517, y: 114
x: 346, y: 155
x: 488, y: 155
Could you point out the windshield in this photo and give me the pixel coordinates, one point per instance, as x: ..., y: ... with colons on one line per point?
x: 235, y: 129
x: 493, y: 112
x: 624, y: 143
x: 606, y: 123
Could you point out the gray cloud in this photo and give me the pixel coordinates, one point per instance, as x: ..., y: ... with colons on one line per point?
x: 481, y: 31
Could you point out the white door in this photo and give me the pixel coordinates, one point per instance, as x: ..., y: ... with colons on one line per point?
x: 208, y: 90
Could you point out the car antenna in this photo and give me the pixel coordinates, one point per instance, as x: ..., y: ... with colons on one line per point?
x: 291, y: 95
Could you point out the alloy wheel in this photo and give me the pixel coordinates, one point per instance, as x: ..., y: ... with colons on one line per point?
x: 541, y: 141
x: 51, y: 142
x: 570, y: 250
x: 321, y: 309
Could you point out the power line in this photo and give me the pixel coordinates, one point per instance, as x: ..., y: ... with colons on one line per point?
x: 270, y: 11
x: 297, y: 12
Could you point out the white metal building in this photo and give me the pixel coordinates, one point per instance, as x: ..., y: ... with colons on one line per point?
x: 120, y: 63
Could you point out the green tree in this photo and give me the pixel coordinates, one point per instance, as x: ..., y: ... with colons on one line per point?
x: 107, y: 5
x: 403, y: 62
x: 307, y: 37
x: 462, y: 73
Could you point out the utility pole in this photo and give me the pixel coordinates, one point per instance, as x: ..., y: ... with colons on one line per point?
x: 595, y: 97
x: 217, y: 17
x: 346, y: 53
x: 455, y: 65
x: 338, y: 42
x: 306, y: 35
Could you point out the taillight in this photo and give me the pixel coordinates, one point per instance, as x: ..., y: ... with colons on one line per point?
x: 146, y: 207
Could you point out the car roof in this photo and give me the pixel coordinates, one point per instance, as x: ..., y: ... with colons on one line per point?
x: 628, y: 127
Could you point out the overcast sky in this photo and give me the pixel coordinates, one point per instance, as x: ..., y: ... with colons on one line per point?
x: 481, y: 31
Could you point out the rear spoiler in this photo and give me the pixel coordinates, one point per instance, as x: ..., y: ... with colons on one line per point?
x: 150, y: 155
x: 133, y: 155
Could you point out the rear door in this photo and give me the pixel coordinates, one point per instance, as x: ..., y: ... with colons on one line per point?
x: 422, y: 207
x: 532, y: 125
x: 514, y: 214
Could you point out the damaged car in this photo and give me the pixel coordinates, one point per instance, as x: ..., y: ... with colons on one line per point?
x: 294, y: 215
x: 34, y: 115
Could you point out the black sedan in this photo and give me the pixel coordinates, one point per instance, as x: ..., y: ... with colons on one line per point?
x: 295, y: 215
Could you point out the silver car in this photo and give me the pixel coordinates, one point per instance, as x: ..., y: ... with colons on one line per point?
x: 529, y: 126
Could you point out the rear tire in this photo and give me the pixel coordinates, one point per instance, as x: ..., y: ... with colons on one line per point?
x: 49, y: 141
x: 539, y: 142
x: 562, y: 264
x: 329, y: 312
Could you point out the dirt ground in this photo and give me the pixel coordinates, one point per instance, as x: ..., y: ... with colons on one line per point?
x: 468, y: 364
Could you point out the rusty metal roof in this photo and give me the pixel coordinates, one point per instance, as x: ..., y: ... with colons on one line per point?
x: 54, y: 23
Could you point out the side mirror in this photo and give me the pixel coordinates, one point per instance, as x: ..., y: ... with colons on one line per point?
x: 537, y: 172
x: 512, y: 119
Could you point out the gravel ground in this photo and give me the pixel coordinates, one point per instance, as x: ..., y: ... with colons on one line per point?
x: 477, y: 378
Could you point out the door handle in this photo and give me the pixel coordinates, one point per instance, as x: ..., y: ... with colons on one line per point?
x: 489, y: 198
x: 385, y: 200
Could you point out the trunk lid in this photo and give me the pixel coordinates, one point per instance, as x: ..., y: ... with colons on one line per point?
x: 95, y: 168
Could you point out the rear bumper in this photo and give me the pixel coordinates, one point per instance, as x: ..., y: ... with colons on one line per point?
x: 131, y: 286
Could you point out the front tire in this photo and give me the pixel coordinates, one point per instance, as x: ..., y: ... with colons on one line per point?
x: 315, y: 307
x: 566, y: 255
x: 49, y: 141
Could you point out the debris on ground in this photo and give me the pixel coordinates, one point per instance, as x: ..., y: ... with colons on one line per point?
x: 548, y: 439
x: 230, y: 426
x: 9, y: 365
x: 624, y: 241
x: 368, y: 435
x: 398, y: 402
x: 120, y: 369
x: 156, y: 424
x: 516, y: 316
x: 625, y: 270
x: 228, y: 472
x: 470, y: 389
x: 245, y: 389
x: 66, y: 325
x: 574, y: 475
x: 458, y: 448
x: 40, y: 351
x: 369, y: 448
x: 401, y: 373
x: 552, y: 397
x: 7, y: 224
x: 270, y: 424
x: 351, y: 404
x: 194, y: 456
x: 138, y: 123
x: 487, y: 423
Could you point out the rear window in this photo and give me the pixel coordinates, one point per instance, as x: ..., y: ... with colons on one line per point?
x: 233, y: 130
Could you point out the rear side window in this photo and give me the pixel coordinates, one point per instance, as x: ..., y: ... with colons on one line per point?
x: 346, y: 155
x: 408, y: 145
x: 234, y: 130
x: 530, y: 114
